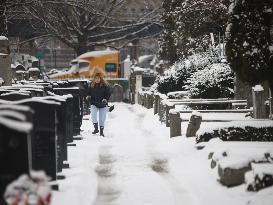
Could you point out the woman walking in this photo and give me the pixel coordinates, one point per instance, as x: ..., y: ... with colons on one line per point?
x: 99, y: 93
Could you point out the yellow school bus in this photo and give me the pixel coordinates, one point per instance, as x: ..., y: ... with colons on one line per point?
x: 85, y: 65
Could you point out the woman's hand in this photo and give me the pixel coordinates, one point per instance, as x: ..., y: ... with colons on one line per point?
x: 104, y: 101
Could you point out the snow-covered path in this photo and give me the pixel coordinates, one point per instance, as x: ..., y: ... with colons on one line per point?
x: 144, y: 166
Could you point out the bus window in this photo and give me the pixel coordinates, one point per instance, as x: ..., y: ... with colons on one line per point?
x: 83, y: 65
x: 110, y: 67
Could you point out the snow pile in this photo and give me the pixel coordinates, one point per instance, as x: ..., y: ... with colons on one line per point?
x: 234, y: 163
x: 33, y: 70
x: 260, y: 177
x: 2, y: 38
x: 177, y: 94
x: 97, y: 54
x: 258, y: 88
x: 145, y: 71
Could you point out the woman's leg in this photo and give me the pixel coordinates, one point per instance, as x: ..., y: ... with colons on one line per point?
x: 94, y: 113
x: 102, y: 116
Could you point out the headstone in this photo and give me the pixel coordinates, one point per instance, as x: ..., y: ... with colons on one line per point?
x: 61, y: 129
x: 117, y: 93
x: 175, y: 123
x: 77, y: 116
x: 167, y: 117
x: 194, y: 124
x: 15, y: 150
x: 232, y: 176
x: 156, y: 103
x: 145, y: 96
x: 259, y: 108
x: 162, y: 111
x: 150, y: 101
x: 44, y: 142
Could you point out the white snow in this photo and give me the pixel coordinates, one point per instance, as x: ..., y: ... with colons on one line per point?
x: 15, y: 107
x: 29, y: 100
x: 13, y: 114
x: 138, y: 164
x: 234, y: 163
x: 144, y: 58
x: 24, y: 127
x: 20, y: 71
x: 3, y: 38
x: 138, y: 69
x: 258, y: 88
x: 209, y: 127
x: 196, y: 113
x: 16, y: 92
x: 179, y: 94
x: 173, y: 111
x: 218, y: 117
x: 33, y: 70
x: 261, y: 169
x: 96, y: 54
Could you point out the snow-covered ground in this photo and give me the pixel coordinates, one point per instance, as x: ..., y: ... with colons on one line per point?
x: 144, y: 166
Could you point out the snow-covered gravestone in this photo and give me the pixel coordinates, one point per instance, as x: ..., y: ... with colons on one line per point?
x: 5, y: 61
x: 175, y: 123
x: 156, y: 103
x: 15, y: 150
x: 194, y: 124
x: 259, y: 109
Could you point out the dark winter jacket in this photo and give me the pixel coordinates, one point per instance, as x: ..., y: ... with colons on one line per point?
x: 97, y: 94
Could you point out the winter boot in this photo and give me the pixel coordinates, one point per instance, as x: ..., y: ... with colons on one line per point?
x: 101, y: 131
x: 96, y: 128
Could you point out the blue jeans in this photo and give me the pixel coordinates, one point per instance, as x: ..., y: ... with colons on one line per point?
x: 102, y: 115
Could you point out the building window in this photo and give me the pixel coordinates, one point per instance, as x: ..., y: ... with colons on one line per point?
x: 110, y: 67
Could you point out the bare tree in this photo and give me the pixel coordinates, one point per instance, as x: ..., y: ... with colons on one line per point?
x: 3, y: 19
x: 7, y: 8
x: 83, y: 24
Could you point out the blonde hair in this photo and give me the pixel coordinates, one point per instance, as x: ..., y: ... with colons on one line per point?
x: 102, y: 81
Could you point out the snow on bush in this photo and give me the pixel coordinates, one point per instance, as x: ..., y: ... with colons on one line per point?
x: 177, y: 95
x: 247, y: 133
x: 175, y: 78
x: 214, y: 81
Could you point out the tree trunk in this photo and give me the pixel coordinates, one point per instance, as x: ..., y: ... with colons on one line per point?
x: 82, y: 46
x: 3, y: 20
